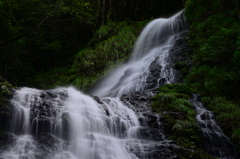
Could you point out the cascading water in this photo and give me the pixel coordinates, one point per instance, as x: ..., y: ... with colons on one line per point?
x: 66, y: 124
x: 216, y: 142
x: 93, y: 131
x: 149, y: 65
x: 84, y: 127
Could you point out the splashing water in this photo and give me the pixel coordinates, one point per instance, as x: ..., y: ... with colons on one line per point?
x: 23, y: 149
x: 94, y: 131
x: 151, y: 49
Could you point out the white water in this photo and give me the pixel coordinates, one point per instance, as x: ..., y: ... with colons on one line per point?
x: 23, y: 148
x: 96, y: 131
x: 82, y: 127
x: 217, y: 143
x: 154, y: 43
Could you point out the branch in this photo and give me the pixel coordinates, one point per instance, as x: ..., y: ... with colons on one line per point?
x: 32, y: 29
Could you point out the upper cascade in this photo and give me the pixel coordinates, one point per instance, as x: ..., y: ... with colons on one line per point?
x: 150, y: 65
x: 157, y: 32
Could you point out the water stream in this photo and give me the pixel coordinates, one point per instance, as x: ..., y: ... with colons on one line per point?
x: 64, y: 123
x: 216, y: 142
x: 93, y: 131
x: 149, y: 64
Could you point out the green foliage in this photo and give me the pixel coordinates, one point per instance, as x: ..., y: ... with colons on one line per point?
x: 5, y: 93
x: 227, y: 114
x: 236, y: 60
x: 177, y: 87
x: 110, y: 46
x: 214, y: 40
x: 116, y: 45
x: 38, y: 35
x: 180, y: 125
x: 182, y: 66
x: 178, y: 118
x: 170, y: 99
x: 92, y: 60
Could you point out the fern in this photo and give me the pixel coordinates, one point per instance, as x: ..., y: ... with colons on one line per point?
x: 177, y: 126
x: 183, y: 124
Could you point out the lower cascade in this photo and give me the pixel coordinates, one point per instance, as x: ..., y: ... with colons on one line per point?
x: 117, y: 122
x: 81, y: 127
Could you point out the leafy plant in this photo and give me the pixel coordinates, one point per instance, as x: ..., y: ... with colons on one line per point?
x: 178, y: 118
x: 214, y: 40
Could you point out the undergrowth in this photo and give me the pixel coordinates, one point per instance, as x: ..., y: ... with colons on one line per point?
x: 111, y: 45
x: 178, y: 118
x: 227, y: 114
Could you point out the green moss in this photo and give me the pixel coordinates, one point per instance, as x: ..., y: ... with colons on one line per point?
x: 227, y: 114
x: 178, y: 118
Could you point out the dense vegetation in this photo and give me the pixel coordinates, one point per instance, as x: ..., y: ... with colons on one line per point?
x: 178, y: 117
x: 215, y: 41
x: 215, y: 44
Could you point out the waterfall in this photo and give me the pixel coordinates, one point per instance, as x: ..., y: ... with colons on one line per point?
x: 64, y: 123
x: 149, y: 67
x: 216, y: 143
x: 93, y: 130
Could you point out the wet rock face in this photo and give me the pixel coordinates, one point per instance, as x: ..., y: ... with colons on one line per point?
x: 152, y: 135
x: 154, y: 74
x: 43, y: 110
x: 177, y: 54
x: 48, y: 144
x: 152, y: 129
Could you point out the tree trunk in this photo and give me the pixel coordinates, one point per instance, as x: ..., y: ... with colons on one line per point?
x: 103, y: 22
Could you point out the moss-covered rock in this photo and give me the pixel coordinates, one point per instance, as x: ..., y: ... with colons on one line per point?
x: 178, y: 118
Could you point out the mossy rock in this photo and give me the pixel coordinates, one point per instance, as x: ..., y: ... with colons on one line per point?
x: 178, y: 118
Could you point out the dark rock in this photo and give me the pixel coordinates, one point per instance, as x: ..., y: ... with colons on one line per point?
x: 51, y: 94
x: 154, y: 74
x: 152, y: 130
x: 178, y: 54
x: 97, y: 99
